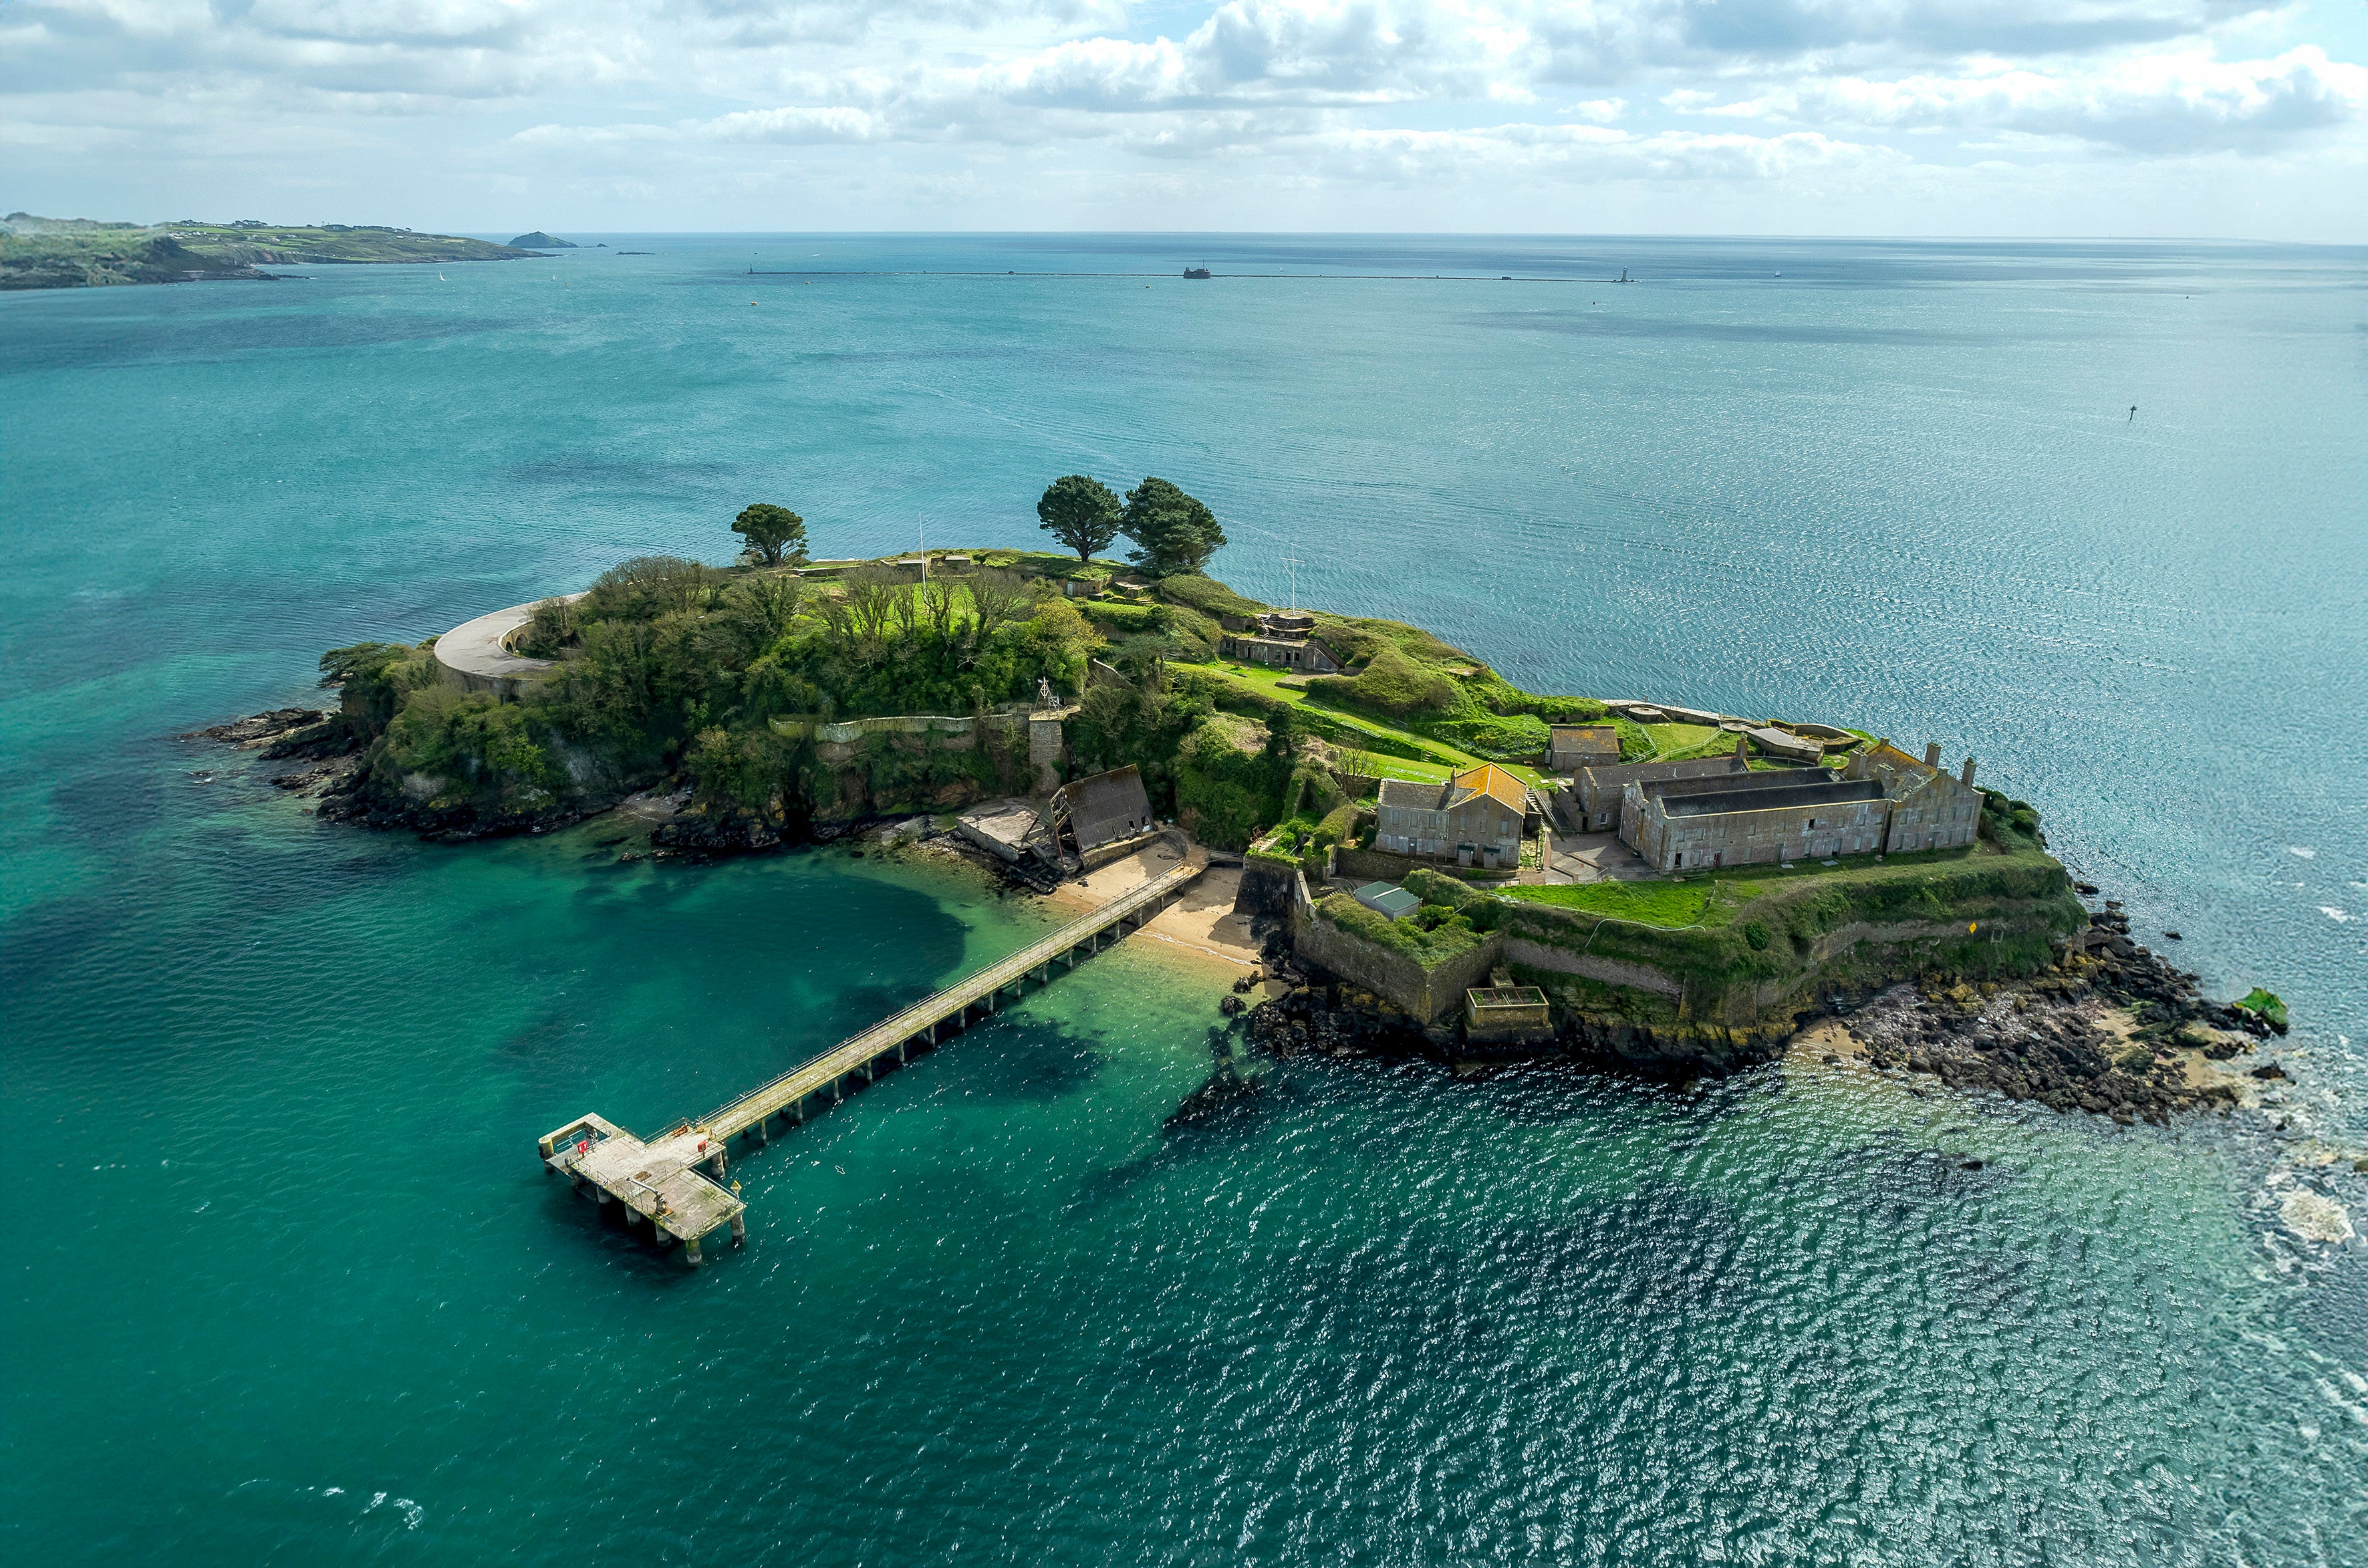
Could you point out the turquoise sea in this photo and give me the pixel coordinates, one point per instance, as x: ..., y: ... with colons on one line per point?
x: 285, y: 1285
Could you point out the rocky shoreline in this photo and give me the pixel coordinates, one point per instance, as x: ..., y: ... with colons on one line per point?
x: 2111, y: 1029
x: 326, y: 740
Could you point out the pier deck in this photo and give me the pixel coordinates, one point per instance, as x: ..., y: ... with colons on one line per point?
x: 676, y: 1179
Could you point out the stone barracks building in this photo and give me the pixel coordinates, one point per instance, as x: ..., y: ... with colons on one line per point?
x: 1885, y: 801
x: 1476, y: 818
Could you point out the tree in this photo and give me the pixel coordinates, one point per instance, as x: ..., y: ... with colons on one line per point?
x: 772, y: 531
x: 996, y: 600
x: 1081, y: 512
x: 1177, y: 533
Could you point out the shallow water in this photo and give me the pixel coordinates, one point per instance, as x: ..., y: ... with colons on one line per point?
x: 286, y: 1280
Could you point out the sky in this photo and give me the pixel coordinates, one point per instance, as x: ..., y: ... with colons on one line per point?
x: 1967, y: 118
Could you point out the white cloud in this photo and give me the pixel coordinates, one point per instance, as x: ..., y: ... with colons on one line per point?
x: 658, y: 95
x: 2151, y: 102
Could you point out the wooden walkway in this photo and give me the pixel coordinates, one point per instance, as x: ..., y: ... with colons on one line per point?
x: 675, y: 1181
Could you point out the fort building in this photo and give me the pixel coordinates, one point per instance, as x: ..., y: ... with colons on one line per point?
x: 1885, y: 802
x: 1476, y: 818
x: 1592, y: 803
x: 1574, y: 747
x: 1283, y: 638
x: 1930, y: 809
x: 1683, y: 830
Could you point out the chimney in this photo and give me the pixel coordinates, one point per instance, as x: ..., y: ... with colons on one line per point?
x: 1968, y: 775
x: 1932, y: 754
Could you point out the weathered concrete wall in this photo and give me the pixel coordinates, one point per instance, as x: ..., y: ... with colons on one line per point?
x: 1265, y: 890
x: 1048, y: 748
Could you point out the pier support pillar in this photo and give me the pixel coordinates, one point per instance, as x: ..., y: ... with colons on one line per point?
x: 760, y: 1133
x: 798, y: 1112
x: 739, y: 1231
x: 690, y: 1251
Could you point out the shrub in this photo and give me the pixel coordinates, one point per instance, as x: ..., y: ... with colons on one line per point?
x: 550, y: 629
x: 1756, y: 935
x: 646, y: 587
x: 1499, y: 740
x: 377, y: 677
x: 1123, y: 618
x: 1206, y: 595
x: 1231, y: 791
x: 1394, y: 684
x: 472, y: 738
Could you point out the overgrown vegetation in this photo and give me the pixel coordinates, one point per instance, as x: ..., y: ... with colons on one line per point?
x: 1647, y: 903
x: 665, y: 663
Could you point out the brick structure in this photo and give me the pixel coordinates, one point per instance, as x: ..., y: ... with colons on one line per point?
x: 1574, y: 746
x: 1476, y: 818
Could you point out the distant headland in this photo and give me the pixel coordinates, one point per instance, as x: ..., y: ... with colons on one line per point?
x: 81, y: 253
x: 1435, y: 857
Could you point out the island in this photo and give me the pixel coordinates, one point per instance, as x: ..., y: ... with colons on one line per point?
x: 1431, y: 857
x: 80, y: 253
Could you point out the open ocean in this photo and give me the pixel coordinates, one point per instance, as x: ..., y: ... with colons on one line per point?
x: 284, y: 1281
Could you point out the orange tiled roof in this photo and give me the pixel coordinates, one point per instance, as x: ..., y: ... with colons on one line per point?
x: 1492, y: 781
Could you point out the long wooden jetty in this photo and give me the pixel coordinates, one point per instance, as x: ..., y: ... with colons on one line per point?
x: 674, y: 1182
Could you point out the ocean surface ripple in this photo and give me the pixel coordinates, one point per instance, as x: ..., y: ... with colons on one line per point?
x: 287, y: 1284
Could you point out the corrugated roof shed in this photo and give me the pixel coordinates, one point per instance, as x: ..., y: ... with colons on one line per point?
x: 1105, y: 808
x: 1387, y: 899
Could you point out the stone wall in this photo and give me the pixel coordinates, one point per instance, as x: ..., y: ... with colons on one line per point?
x: 1361, y: 866
x: 1426, y: 995
x: 1265, y: 890
x: 1755, y: 836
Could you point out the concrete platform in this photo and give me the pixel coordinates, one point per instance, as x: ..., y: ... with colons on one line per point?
x: 660, y: 1181
x: 1003, y: 828
x: 475, y: 654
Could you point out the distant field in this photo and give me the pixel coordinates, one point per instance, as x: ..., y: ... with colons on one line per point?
x: 79, y: 253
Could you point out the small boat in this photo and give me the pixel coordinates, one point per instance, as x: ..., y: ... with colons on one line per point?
x: 441, y: 278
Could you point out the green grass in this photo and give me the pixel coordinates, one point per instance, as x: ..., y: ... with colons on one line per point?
x: 1444, y: 758
x: 1666, y: 904
x: 1673, y: 742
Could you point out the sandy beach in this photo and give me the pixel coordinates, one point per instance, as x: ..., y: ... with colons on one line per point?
x: 1200, y: 927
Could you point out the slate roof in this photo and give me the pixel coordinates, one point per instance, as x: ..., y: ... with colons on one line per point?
x: 1770, y: 799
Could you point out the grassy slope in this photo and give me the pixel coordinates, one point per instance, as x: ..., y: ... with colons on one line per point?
x: 1442, y: 757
